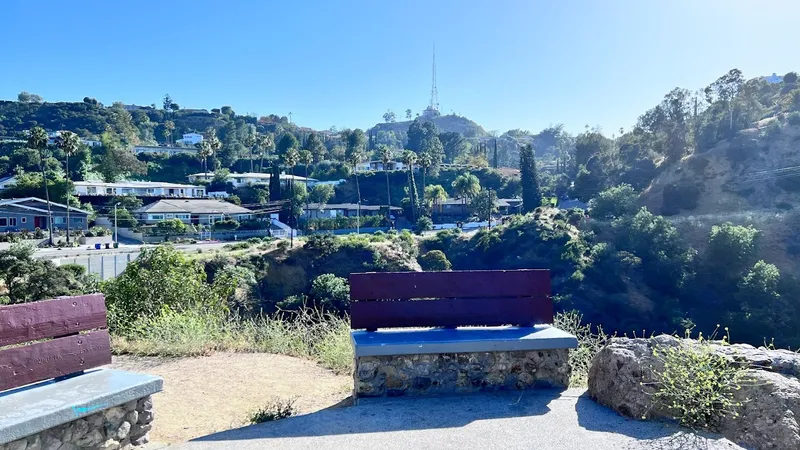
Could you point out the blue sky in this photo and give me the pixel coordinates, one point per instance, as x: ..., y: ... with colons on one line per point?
x: 503, y: 63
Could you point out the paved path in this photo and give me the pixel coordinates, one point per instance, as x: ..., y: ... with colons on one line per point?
x: 535, y: 420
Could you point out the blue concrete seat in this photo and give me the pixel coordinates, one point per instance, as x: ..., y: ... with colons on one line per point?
x: 38, y: 407
x: 409, y: 341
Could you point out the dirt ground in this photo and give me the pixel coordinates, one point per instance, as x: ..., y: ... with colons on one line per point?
x: 207, y: 394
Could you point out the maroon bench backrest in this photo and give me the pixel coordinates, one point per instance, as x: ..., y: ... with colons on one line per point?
x: 68, y: 352
x: 450, y: 299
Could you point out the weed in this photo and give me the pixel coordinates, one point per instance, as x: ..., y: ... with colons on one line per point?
x: 589, y: 343
x: 274, y: 410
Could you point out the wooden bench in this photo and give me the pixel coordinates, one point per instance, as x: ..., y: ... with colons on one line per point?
x: 483, y: 330
x: 51, y: 392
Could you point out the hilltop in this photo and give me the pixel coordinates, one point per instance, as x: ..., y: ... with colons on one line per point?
x: 450, y: 123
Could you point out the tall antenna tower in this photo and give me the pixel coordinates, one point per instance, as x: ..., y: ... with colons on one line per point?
x: 434, y: 106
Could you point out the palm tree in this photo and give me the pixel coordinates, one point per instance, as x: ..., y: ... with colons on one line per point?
x: 434, y: 195
x: 69, y: 143
x: 290, y: 159
x: 425, y: 161
x: 214, y: 144
x: 249, y: 141
x: 466, y: 186
x: 386, y: 158
x: 409, y: 159
x: 264, y: 142
x: 204, y: 153
x: 37, y: 140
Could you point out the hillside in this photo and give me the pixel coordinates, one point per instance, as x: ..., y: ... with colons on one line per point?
x: 449, y: 123
x: 753, y: 179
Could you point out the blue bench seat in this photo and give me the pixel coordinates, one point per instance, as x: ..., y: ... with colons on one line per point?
x: 37, y: 407
x: 410, y: 341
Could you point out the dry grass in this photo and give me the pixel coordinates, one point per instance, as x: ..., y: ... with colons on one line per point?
x: 305, y: 334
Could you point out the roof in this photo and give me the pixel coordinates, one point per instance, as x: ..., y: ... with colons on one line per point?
x: 135, y: 184
x: 37, y: 204
x: 348, y: 206
x: 253, y: 175
x: 574, y: 203
x: 209, y: 206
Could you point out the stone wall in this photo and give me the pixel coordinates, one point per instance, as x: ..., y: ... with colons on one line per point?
x: 119, y: 427
x: 396, y: 375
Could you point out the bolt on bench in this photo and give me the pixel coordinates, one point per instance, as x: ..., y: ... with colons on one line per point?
x: 49, y: 396
x: 486, y: 330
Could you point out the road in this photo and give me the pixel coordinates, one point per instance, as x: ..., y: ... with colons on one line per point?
x: 76, y: 252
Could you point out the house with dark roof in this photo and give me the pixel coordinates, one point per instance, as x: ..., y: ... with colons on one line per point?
x: 30, y: 213
x: 330, y: 210
x: 457, y: 208
x: 206, y: 211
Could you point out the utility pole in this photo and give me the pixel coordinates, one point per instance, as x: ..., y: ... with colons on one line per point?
x: 495, y: 153
x: 116, y: 233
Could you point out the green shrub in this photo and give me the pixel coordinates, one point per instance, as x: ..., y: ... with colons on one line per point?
x: 171, y: 226
x: 434, y: 261
x: 614, y: 202
x: 275, y: 410
x: 97, y: 232
x: 254, y: 241
x: 227, y: 224
x: 696, y: 384
x: 424, y: 223
x: 330, y: 293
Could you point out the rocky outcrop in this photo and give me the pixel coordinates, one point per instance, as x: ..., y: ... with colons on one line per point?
x: 621, y: 377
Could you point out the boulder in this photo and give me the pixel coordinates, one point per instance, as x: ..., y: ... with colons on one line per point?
x: 621, y: 377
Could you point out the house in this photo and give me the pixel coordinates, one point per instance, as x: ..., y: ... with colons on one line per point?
x: 170, y: 151
x: 7, y: 182
x: 203, y: 212
x: 330, y: 210
x: 565, y: 203
x: 773, y: 79
x: 138, y: 189
x: 378, y: 166
x: 191, y: 139
x: 456, y: 207
x: 248, y: 178
x: 31, y: 213
x: 52, y: 138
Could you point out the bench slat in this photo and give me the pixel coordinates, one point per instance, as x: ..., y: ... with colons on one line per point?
x: 60, y: 317
x: 455, y: 284
x: 54, y: 358
x: 451, y: 312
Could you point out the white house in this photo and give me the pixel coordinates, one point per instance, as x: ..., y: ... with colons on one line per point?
x: 192, y: 211
x: 139, y: 149
x: 139, y: 189
x: 244, y: 179
x: 6, y: 182
x: 378, y: 166
x: 191, y: 139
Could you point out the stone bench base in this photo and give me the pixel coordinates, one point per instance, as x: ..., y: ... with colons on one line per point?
x: 118, y: 427
x: 446, y: 373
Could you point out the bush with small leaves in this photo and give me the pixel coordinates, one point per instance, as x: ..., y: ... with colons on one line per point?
x: 696, y: 384
x: 424, y: 223
x: 275, y: 410
x: 434, y: 261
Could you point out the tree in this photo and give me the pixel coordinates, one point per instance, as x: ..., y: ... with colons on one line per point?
x: 790, y: 78
x: 306, y: 158
x: 434, y: 261
x: 69, y: 143
x: 614, y: 202
x: 434, y: 195
x: 454, y: 145
x: 408, y: 114
x: 330, y: 293
x: 483, y: 204
x: 29, y: 279
x: 37, y: 141
x: 529, y: 178
x: 175, y: 107
x: 208, y: 147
x: 763, y: 309
x: 168, y: 127
x: 227, y: 110
x: 410, y: 159
x: 317, y: 148
x: 725, y: 89
x: 117, y: 163
x: 418, y: 132
x: 167, y: 102
x: 731, y: 250
x: 290, y: 159
x: 466, y: 186
x: 433, y: 153
x: 249, y: 142
x: 386, y: 158
x: 321, y: 193
x: 27, y: 97
x: 354, y: 153
x: 389, y: 116
x: 288, y: 141
x: 264, y: 142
